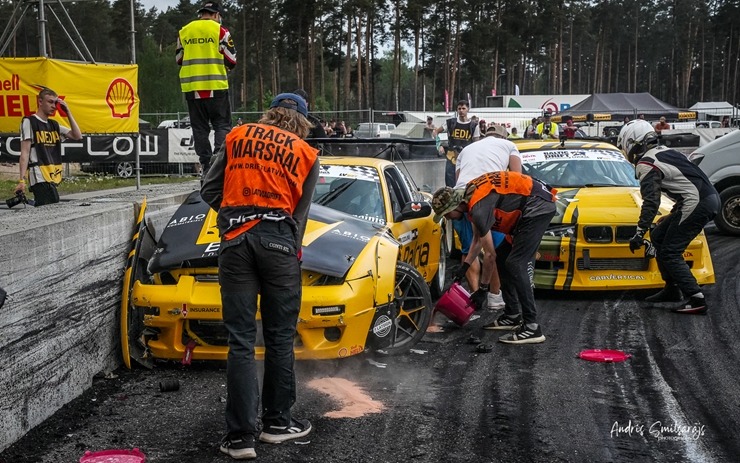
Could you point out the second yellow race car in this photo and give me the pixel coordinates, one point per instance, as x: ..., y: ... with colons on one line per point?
x: 586, y: 246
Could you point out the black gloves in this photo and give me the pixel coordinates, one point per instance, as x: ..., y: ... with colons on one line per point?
x: 460, y: 274
x: 636, y: 241
x: 479, y: 299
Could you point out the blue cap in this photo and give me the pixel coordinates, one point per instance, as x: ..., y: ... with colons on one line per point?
x: 298, y: 103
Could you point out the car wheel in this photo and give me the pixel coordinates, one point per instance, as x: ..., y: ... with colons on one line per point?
x: 413, y: 310
x: 728, y: 219
x: 612, y: 132
x: 438, y: 282
x: 124, y: 169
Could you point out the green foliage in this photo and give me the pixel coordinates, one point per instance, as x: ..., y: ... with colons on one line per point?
x: 681, y: 51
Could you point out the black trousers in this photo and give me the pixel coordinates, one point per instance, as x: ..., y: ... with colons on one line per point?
x: 44, y: 193
x: 206, y: 113
x: 263, y: 263
x: 513, y: 264
x: 672, y: 236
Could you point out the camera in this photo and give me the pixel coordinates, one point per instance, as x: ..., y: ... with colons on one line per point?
x: 19, y: 198
x: 546, y: 129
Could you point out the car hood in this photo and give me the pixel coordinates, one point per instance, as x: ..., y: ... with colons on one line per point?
x: 602, y: 205
x: 331, y: 243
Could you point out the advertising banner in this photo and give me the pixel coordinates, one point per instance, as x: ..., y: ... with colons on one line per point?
x: 103, y: 97
x: 101, y: 148
x: 182, y: 146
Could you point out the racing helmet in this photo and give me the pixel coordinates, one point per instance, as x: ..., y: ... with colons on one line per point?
x: 634, y: 139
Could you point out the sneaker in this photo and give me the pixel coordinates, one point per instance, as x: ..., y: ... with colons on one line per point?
x: 239, y: 448
x: 524, y: 335
x: 670, y: 293
x: 495, y: 301
x: 694, y: 306
x: 504, y: 322
x: 278, y: 434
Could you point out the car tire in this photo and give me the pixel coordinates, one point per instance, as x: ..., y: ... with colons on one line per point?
x: 124, y: 169
x: 413, y: 310
x: 612, y: 132
x: 437, y: 286
x: 728, y: 218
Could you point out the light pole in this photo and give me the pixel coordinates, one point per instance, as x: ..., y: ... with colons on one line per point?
x: 495, y: 85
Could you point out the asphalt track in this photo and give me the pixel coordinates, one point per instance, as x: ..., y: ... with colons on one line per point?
x: 676, y: 399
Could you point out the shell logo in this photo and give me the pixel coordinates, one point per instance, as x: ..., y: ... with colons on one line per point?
x: 120, y: 98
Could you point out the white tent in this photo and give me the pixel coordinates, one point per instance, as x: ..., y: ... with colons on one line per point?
x: 715, y: 110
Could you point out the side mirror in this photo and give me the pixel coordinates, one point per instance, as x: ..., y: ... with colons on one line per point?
x: 414, y: 210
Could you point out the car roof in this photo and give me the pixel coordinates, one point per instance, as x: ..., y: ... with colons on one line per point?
x: 356, y: 161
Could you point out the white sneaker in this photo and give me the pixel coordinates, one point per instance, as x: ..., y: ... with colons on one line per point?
x: 495, y: 301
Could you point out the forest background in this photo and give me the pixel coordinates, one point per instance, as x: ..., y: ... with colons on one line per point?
x: 405, y: 54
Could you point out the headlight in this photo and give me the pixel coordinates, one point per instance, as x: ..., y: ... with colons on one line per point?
x: 561, y: 231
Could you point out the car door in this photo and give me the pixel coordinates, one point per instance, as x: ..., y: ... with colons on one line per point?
x: 416, y: 234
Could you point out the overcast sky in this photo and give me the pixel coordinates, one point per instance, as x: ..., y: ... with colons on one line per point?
x: 160, y: 4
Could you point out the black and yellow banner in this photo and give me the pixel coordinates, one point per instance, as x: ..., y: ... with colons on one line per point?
x: 103, y: 97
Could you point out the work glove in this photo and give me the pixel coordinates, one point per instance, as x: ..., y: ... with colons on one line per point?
x: 460, y: 273
x: 637, y: 240
x: 479, y: 299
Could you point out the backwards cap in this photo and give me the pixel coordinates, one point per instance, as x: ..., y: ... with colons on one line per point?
x: 284, y: 101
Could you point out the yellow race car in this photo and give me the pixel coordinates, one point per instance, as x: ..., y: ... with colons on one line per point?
x: 586, y: 246
x: 372, y: 255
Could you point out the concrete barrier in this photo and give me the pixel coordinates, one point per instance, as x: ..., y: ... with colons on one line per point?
x: 62, y: 267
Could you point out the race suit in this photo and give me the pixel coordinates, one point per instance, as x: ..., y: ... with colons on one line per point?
x: 664, y: 170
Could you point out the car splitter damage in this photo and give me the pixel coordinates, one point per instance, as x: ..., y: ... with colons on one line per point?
x: 356, y: 294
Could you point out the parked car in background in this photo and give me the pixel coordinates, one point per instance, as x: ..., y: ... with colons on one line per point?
x: 183, y: 123
x: 720, y: 160
x: 586, y: 246
x: 374, y: 130
x: 126, y: 169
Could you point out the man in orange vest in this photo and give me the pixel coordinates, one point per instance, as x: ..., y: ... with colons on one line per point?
x: 261, y: 183
x: 516, y: 205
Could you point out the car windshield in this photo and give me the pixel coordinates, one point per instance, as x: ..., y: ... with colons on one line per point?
x: 572, y: 168
x: 354, y: 190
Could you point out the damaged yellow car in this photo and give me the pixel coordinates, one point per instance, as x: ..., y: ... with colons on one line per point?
x: 586, y: 246
x: 372, y: 255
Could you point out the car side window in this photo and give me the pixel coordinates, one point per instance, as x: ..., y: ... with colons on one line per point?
x: 396, y: 188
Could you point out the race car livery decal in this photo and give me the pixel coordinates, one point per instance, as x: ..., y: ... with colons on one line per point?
x: 408, y: 237
x: 357, y: 172
x: 532, y: 157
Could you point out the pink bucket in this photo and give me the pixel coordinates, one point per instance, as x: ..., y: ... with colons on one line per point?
x: 455, y: 304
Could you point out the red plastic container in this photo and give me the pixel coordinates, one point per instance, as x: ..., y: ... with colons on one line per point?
x: 455, y: 304
x: 114, y: 456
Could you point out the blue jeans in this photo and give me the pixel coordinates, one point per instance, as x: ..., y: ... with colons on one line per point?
x: 263, y: 262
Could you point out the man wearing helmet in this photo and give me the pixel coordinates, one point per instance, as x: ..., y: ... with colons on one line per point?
x: 663, y: 170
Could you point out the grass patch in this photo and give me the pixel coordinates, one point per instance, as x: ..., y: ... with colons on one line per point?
x: 83, y: 183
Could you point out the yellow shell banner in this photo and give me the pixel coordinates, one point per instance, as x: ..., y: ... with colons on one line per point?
x: 103, y: 97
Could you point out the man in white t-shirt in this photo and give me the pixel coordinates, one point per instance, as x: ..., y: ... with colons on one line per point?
x: 493, y: 153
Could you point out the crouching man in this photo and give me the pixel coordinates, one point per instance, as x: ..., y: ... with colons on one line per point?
x: 517, y: 205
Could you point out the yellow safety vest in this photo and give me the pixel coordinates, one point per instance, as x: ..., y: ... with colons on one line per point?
x: 202, y: 65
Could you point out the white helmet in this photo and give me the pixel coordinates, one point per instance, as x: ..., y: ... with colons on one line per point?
x: 633, y: 138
